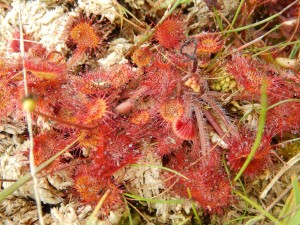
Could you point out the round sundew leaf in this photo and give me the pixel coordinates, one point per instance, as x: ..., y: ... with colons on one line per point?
x: 170, y: 110
x: 44, y: 75
x: 184, y: 128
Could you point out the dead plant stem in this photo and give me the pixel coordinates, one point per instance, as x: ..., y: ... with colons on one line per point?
x: 29, y: 126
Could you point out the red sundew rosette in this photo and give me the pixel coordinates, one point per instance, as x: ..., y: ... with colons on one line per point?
x: 209, y: 43
x: 170, y: 33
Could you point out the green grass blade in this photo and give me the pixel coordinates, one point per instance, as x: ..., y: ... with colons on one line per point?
x: 290, y: 213
x: 254, y: 220
x: 239, y: 219
x: 93, y: 217
x: 295, y: 50
x: 139, y: 198
x: 294, y: 220
x: 294, y: 209
x: 258, y: 207
x: 260, y: 22
x: 286, y: 208
x: 260, y: 130
x: 194, y: 207
x: 237, y: 12
x: 296, y: 189
x: 280, y: 45
x: 129, y: 215
x: 282, y: 102
x: 218, y: 18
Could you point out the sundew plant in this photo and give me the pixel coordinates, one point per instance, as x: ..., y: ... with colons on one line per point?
x: 144, y: 112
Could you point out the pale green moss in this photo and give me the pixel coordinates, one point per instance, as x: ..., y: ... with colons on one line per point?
x: 224, y: 83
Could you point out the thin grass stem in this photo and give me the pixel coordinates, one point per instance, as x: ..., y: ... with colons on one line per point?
x: 260, y: 22
x: 93, y: 216
x: 261, y: 125
x: 258, y: 207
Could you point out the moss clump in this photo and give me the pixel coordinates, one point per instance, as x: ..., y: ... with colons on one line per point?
x: 224, y: 83
x: 289, y: 150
